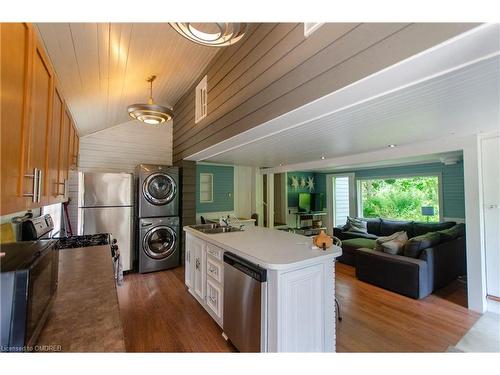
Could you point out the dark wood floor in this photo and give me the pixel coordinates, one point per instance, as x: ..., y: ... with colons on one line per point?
x: 159, y: 315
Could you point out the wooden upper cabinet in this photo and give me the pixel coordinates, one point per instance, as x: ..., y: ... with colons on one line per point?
x: 71, y: 144
x: 38, y: 137
x: 76, y: 149
x: 52, y: 186
x: 40, y: 116
x: 16, y: 42
x: 64, y: 152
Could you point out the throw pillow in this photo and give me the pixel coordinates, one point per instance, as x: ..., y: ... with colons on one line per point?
x: 398, y: 236
x: 355, y: 225
x: 452, y: 233
x: 415, y: 245
x: 394, y: 247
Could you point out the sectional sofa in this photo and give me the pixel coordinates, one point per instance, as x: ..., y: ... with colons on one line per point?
x: 433, y: 257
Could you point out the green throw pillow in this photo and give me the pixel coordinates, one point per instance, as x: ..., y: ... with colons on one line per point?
x: 452, y: 233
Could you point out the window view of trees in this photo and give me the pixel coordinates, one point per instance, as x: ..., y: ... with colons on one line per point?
x: 400, y: 198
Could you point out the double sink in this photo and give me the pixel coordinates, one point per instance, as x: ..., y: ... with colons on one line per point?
x: 214, y: 228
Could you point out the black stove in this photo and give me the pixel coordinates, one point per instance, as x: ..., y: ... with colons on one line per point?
x: 84, y: 241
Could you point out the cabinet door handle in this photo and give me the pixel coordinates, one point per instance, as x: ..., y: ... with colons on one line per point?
x: 34, y: 194
x: 39, y: 188
x: 197, y: 263
x: 64, y: 184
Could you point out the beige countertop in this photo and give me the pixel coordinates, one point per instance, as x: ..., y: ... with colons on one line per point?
x: 85, y: 316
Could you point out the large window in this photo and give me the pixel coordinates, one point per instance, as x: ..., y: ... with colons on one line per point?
x: 400, y: 198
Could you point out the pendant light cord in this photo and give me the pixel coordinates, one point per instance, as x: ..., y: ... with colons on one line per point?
x: 150, y: 80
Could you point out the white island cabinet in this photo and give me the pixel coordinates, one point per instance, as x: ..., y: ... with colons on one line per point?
x: 298, y: 305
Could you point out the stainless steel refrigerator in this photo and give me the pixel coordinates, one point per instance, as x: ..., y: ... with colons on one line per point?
x: 106, y: 205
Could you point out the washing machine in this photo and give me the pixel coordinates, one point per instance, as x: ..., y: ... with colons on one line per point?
x: 157, y: 191
x: 159, y: 240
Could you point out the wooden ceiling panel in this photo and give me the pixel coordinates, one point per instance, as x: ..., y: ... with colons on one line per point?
x: 102, y: 68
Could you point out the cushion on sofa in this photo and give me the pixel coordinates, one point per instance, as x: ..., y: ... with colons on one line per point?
x: 416, y: 244
x: 348, y: 235
x: 398, y: 236
x: 357, y: 243
x: 423, y: 228
x: 452, y: 233
x: 355, y: 225
x: 388, y: 227
x: 372, y: 225
x: 394, y: 247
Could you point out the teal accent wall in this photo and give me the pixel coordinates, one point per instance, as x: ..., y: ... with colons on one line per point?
x: 293, y: 195
x: 223, y: 180
x: 452, y: 182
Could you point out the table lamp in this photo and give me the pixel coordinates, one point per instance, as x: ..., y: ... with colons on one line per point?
x: 428, y: 211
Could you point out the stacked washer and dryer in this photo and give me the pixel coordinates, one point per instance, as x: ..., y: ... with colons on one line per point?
x: 158, y: 239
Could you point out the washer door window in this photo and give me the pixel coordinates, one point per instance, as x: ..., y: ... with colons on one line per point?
x: 159, y: 189
x: 159, y: 242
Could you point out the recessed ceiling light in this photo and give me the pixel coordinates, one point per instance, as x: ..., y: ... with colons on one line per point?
x: 391, y: 146
x: 323, y: 157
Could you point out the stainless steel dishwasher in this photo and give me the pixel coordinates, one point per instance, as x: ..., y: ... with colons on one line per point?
x: 245, y: 295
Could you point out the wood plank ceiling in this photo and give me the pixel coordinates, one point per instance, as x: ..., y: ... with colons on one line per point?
x: 102, y: 67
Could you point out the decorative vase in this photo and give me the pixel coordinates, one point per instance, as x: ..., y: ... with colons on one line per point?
x: 322, y: 240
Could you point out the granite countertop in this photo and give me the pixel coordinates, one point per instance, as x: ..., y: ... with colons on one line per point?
x: 270, y: 248
x: 85, y: 315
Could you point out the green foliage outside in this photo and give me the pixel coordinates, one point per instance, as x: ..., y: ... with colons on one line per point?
x: 400, y: 198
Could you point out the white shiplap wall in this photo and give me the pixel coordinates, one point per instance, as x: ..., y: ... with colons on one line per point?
x: 122, y: 147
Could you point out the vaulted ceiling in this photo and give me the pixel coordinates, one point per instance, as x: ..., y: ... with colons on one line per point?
x: 102, y: 67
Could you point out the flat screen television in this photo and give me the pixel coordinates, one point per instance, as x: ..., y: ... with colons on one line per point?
x: 304, y: 202
x: 317, y: 202
x: 311, y: 202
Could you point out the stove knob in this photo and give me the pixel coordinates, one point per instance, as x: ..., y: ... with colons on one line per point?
x: 114, y: 241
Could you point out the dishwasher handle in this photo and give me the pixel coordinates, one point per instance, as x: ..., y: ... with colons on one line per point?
x: 248, y: 268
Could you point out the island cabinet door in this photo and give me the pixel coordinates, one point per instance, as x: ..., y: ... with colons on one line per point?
x: 195, y: 266
x: 306, y: 311
x: 199, y: 276
x: 188, y: 260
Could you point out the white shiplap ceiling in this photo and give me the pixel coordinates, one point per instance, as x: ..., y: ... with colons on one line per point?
x: 465, y: 101
x: 102, y: 67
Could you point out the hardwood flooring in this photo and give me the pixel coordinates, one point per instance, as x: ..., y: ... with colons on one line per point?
x: 159, y: 315
x: 376, y: 320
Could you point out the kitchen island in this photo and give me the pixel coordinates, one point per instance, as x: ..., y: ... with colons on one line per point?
x: 85, y: 316
x: 297, y: 309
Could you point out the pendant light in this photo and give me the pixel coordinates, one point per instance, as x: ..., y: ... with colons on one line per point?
x: 150, y: 113
x: 215, y: 34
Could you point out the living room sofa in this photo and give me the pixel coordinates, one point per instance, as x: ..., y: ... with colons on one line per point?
x: 376, y: 228
x: 438, y: 256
